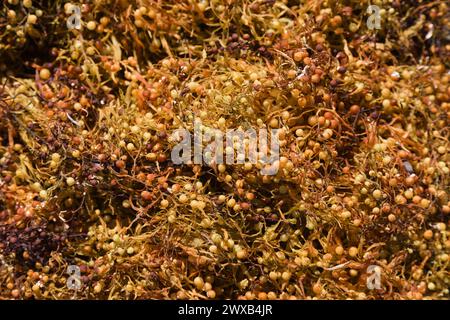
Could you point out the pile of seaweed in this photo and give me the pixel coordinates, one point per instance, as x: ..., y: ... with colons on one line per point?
x: 92, y: 205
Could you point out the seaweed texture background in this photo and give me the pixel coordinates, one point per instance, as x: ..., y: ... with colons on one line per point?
x: 88, y: 182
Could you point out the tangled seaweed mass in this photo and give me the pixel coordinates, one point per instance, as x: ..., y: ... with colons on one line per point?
x: 92, y: 204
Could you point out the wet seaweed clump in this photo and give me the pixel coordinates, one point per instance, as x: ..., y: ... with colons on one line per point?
x: 96, y: 97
